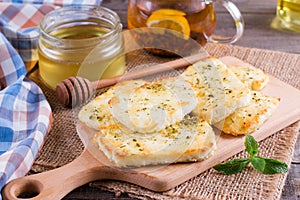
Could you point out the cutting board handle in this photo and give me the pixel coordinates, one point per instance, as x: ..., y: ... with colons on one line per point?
x: 55, y: 184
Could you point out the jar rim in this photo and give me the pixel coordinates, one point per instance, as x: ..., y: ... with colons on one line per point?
x: 98, y: 10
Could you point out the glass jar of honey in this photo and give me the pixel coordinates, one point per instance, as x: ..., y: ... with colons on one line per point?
x: 81, y: 41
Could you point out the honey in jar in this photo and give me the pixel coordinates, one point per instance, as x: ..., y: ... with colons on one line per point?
x: 288, y: 15
x: 81, y: 41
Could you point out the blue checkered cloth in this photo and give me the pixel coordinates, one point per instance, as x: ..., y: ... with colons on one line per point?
x: 25, y: 114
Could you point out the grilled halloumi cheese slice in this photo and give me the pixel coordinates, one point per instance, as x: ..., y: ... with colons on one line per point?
x: 254, y: 78
x: 191, y: 139
x: 153, y: 106
x: 97, y: 113
x: 247, y: 119
x: 218, y: 91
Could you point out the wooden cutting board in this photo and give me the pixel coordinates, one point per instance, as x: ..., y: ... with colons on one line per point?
x: 92, y: 164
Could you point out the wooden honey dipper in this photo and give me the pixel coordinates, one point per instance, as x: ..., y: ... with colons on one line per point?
x: 74, y: 91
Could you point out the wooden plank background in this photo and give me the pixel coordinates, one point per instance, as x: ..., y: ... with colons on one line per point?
x: 258, y: 15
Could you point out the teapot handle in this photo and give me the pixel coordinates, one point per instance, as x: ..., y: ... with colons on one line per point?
x: 239, y: 24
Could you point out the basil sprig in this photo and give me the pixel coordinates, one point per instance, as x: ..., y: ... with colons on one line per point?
x: 264, y: 165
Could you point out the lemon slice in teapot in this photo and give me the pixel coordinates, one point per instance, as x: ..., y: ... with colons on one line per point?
x: 170, y: 19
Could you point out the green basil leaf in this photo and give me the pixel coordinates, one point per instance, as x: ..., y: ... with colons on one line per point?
x: 258, y: 163
x: 273, y: 166
x: 232, y: 166
x: 251, y: 145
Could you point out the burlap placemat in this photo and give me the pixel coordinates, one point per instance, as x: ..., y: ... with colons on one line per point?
x: 63, y: 145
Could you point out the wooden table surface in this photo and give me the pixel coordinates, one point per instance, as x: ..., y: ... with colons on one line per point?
x: 258, y: 15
